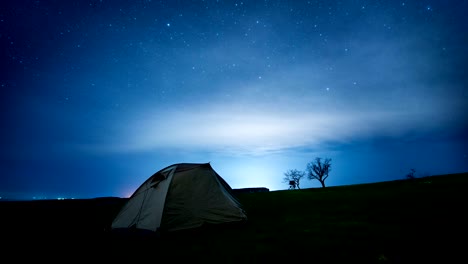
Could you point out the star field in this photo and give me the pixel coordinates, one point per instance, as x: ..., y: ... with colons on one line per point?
x: 98, y: 95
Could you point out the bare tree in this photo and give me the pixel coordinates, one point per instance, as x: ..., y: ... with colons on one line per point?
x: 293, y: 178
x: 319, y: 170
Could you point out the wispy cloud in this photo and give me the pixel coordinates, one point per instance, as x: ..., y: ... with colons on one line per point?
x: 259, y: 131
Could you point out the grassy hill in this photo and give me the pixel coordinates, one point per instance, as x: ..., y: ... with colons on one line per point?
x: 404, y: 221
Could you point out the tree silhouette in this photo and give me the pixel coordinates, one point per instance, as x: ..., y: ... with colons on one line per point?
x: 293, y: 178
x: 319, y: 170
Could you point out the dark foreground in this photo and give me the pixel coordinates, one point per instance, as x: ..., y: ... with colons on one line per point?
x: 390, y: 222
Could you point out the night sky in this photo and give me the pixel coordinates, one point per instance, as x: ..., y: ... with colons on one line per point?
x: 99, y: 95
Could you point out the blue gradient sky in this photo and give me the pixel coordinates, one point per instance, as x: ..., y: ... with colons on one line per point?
x: 99, y: 95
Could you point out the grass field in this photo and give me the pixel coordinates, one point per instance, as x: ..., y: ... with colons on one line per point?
x: 404, y: 221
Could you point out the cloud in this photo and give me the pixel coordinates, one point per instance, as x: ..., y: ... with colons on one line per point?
x: 258, y: 131
x: 365, y: 93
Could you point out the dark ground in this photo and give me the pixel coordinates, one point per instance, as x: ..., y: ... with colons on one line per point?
x: 424, y: 220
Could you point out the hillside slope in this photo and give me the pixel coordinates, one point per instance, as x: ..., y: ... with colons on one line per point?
x: 389, y: 222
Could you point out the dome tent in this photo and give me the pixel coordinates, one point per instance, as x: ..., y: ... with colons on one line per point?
x: 180, y: 196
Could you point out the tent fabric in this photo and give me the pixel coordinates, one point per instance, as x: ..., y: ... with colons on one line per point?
x: 180, y: 196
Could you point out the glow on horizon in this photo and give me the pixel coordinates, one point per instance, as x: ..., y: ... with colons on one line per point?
x: 104, y: 95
